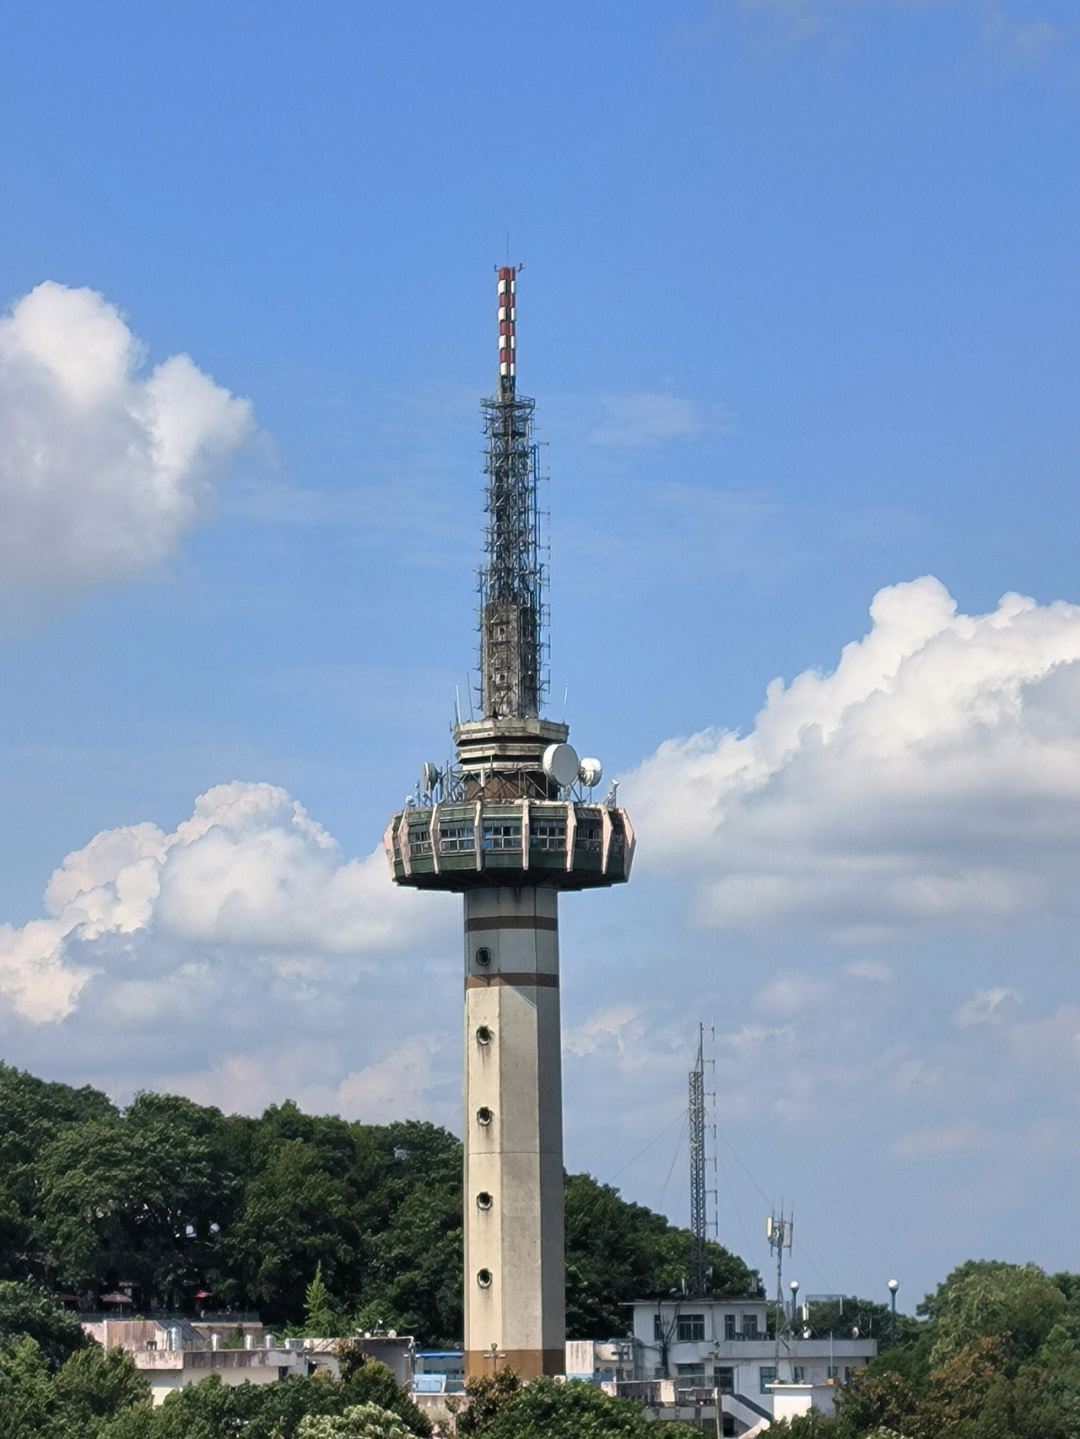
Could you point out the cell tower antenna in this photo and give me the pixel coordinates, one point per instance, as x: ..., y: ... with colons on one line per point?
x: 778, y: 1231
x: 698, y: 1221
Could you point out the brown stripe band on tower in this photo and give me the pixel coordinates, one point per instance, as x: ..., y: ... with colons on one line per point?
x: 526, y: 1363
x: 519, y: 981
x: 512, y: 921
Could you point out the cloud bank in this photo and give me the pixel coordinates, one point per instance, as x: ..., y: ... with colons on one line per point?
x: 249, y: 880
x: 933, y: 776
x: 103, y: 469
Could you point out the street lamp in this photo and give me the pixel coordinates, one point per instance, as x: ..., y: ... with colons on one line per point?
x: 794, y: 1298
x: 893, y: 1287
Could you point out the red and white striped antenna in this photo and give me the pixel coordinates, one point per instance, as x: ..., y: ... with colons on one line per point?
x: 507, y: 327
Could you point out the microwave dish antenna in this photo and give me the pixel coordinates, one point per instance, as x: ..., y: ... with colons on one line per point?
x: 561, y: 764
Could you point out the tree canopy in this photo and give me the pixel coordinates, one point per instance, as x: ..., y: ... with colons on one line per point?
x: 175, y: 1198
x: 996, y: 1356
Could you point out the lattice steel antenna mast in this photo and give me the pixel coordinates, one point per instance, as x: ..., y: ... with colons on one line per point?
x: 511, y: 824
x: 512, y: 579
x: 698, y: 1221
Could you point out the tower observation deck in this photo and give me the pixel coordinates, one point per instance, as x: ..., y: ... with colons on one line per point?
x: 511, y: 823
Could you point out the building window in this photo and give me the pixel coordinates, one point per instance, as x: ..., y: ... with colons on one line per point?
x: 691, y: 1371
x: 548, y: 834
x: 798, y: 1374
x: 766, y: 1376
x: 749, y: 1326
x: 502, y: 834
x: 657, y: 1328
x: 457, y: 838
x: 725, y: 1380
x: 832, y: 1371
x: 729, y: 1326
x: 690, y: 1328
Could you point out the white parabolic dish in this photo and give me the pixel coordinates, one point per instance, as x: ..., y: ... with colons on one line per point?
x: 561, y: 764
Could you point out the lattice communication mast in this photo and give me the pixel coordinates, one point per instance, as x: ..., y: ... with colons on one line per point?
x: 512, y: 578
x: 698, y: 1220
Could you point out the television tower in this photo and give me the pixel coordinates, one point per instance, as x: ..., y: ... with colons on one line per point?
x: 511, y: 823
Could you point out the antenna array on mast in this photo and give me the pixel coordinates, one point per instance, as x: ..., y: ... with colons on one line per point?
x: 512, y: 577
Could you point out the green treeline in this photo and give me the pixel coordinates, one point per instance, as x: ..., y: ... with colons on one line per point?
x: 57, y: 1384
x: 173, y: 1197
x: 996, y: 1355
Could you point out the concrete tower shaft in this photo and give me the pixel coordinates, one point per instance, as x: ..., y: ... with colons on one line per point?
x: 511, y: 824
x: 514, y: 1247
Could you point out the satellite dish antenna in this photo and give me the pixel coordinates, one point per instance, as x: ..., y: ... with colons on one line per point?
x: 432, y: 776
x: 561, y: 764
x: 590, y: 773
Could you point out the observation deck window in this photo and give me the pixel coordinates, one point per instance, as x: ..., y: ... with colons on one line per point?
x: 457, y: 838
x: 502, y: 834
x: 547, y: 834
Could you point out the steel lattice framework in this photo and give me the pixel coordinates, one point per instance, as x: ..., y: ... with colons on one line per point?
x: 697, y: 1169
x: 512, y: 578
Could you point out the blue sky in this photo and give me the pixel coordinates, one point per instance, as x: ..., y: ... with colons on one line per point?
x: 800, y: 313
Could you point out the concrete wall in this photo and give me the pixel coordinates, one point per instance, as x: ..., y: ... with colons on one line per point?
x: 514, y: 1245
x: 167, y: 1371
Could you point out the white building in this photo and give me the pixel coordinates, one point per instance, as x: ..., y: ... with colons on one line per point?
x: 720, y: 1344
x: 174, y: 1352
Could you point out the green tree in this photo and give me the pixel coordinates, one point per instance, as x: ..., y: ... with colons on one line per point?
x: 294, y: 1216
x: 27, y: 1396
x: 29, y: 1309
x: 984, y: 1298
x: 31, y: 1113
x: 367, y: 1381
x: 322, y: 1317
x: 94, y: 1385
x: 876, y: 1401
x: 128, y: 1199
x: 485, y: 1399
x: 576, y: 1410
x: 360, y: 1421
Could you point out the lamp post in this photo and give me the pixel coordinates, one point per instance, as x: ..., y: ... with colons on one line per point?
x: 893, y: 1287
x: 794, y: 1300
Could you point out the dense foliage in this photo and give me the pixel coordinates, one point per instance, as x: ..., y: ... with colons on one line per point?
x: 175, y: 1197
x: 501, y: 1408
x: 996, y: 1356
x: 97, y: 1395
x: 575, y: 1410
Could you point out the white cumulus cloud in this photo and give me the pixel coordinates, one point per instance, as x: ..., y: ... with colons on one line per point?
x: 933, y: 776
x: 103, y: 468
x: 249, y: 882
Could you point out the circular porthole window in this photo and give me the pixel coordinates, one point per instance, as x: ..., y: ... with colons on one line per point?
x: 483, y: 1035
x: 483, y: 1115
x: 483, y: 958
x: 483, y: 1200
x: 483, y: 1278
